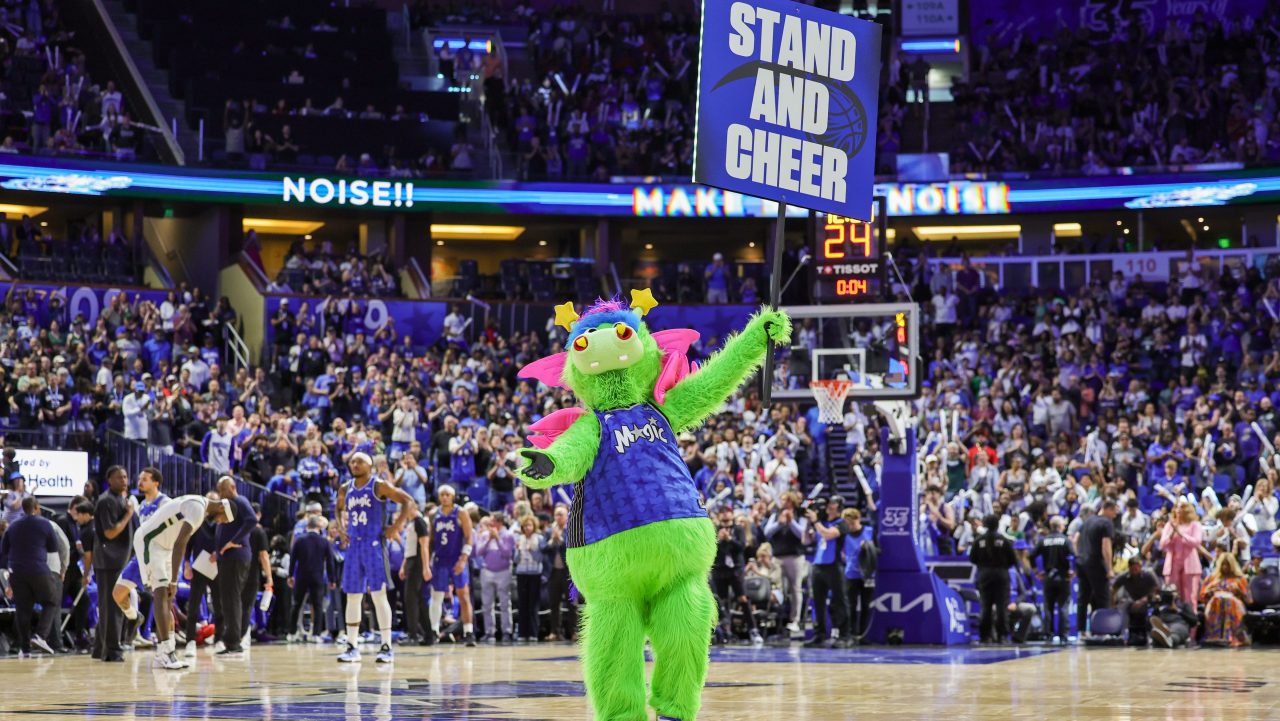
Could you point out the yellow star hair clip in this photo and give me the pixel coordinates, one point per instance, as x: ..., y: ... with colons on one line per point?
x: 566, y: 315
x: 642, y: 300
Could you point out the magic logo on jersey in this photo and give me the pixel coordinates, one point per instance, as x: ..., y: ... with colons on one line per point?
x: 624, y: 437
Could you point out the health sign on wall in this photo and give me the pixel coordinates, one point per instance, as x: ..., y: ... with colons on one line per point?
x: 787, y: 100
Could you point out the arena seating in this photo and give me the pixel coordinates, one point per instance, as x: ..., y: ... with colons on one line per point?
x: 294, y: 52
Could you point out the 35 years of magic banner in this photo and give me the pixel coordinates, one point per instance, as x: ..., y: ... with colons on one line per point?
x: 787, y: 99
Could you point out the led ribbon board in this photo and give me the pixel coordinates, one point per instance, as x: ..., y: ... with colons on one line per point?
x: 35, y: 179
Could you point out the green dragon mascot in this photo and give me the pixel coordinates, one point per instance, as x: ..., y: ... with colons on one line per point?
x: 640, y: 544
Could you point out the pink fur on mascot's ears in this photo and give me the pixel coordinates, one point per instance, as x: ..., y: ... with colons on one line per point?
x: 551, y: 427
x: 549, y: 370
x: 674, y: 345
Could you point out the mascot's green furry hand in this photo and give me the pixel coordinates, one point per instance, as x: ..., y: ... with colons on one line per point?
x: 773, y: 323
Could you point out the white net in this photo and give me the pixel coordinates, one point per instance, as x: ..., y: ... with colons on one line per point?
x: 830, y: 395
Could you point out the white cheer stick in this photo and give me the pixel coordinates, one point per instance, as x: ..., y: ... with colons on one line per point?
x: 812, y: 495
x: 720, y: 497
x: 1257, y: 430
x: 564, y: 497
x: 862, y: 480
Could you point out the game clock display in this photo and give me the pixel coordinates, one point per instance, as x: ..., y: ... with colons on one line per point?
x: 848, y: 262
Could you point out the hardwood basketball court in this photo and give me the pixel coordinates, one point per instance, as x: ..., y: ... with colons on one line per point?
x: 303, y: 683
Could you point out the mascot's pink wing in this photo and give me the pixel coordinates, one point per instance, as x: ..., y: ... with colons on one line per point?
x: 549, y: 370
x: 675, y: 361
x: 549, y: 428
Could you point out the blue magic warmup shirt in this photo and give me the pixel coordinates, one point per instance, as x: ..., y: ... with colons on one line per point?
x: 638, y: 478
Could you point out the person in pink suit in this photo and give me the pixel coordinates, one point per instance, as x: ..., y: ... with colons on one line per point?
x: 1182, y: 541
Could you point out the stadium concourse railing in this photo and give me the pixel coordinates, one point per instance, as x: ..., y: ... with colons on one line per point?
x: 1035, y: 272
x: 182, y: 476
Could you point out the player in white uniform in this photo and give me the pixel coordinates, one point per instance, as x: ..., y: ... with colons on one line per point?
x: 158, y: 547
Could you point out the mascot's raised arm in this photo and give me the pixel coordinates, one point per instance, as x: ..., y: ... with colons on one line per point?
x: 640, y: 544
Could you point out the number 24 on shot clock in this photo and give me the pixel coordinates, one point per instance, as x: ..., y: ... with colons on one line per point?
x: 787, y: 101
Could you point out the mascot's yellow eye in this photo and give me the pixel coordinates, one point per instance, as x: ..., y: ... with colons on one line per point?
x: 580, y: 343
x: 623, y: 330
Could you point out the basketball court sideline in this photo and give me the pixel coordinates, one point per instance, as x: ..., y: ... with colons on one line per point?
x: 303, y: 683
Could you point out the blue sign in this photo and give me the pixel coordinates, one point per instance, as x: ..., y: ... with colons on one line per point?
x: 787, y: 100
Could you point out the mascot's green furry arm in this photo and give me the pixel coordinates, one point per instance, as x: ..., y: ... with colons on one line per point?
x: 640, y: 545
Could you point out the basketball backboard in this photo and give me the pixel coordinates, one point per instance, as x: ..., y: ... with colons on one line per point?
x: 875, y: 345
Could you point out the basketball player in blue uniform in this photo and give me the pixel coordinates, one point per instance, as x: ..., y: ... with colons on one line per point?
x: 152, y: 498
x: 361, y: 518
x: 450, y: 551
x: 135, y: 612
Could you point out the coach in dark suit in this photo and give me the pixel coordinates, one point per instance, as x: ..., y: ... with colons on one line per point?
x: 203, y: 540
x: 234, y: 559
x: 112, y: 546
x: 25, y: 550
x: 312, y: 568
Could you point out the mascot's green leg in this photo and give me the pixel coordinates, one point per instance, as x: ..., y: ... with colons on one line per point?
x: 613, y: 658
x: 680, y: 624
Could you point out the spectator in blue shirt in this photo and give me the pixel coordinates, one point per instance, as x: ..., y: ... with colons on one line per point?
x: 859, y: 565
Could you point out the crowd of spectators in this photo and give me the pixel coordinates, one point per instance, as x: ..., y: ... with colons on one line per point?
x: 49, y: 102
x: 1123, y: 410
x: 321, y: 270
x: 613, y: 95
x: 1199, y: 92
x: 1153, y: 401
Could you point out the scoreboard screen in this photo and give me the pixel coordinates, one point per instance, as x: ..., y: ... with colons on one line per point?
x: 848, y: 258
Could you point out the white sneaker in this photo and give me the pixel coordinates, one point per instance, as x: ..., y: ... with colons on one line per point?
x: 292, y: 638
x: 142, y: 642
x: 169, y: 661
x: 351, y: 655
x: 793, y: 627
x: 247, y: 639
x: 190, y: 650
x: 757, y: 639
x: 341, y: 640
x: 219, y: 647
x: 42, y: 644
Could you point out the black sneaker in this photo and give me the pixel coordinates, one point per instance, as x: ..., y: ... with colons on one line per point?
x: 816, y: 642
x: 429, y: 639
x: 470, y: 640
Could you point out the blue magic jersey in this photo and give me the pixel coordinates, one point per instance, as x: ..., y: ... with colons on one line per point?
x: 638, y: 478
x: 365, y: 513
x: 146, y: 508
x: 446, y: 537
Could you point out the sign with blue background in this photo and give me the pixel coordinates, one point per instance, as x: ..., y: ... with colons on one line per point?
x: 787, y: 100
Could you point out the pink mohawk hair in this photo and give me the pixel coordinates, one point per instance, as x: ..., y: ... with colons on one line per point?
x: 614, y: 305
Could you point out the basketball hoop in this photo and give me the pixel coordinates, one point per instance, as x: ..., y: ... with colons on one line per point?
x: 830, y: 395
